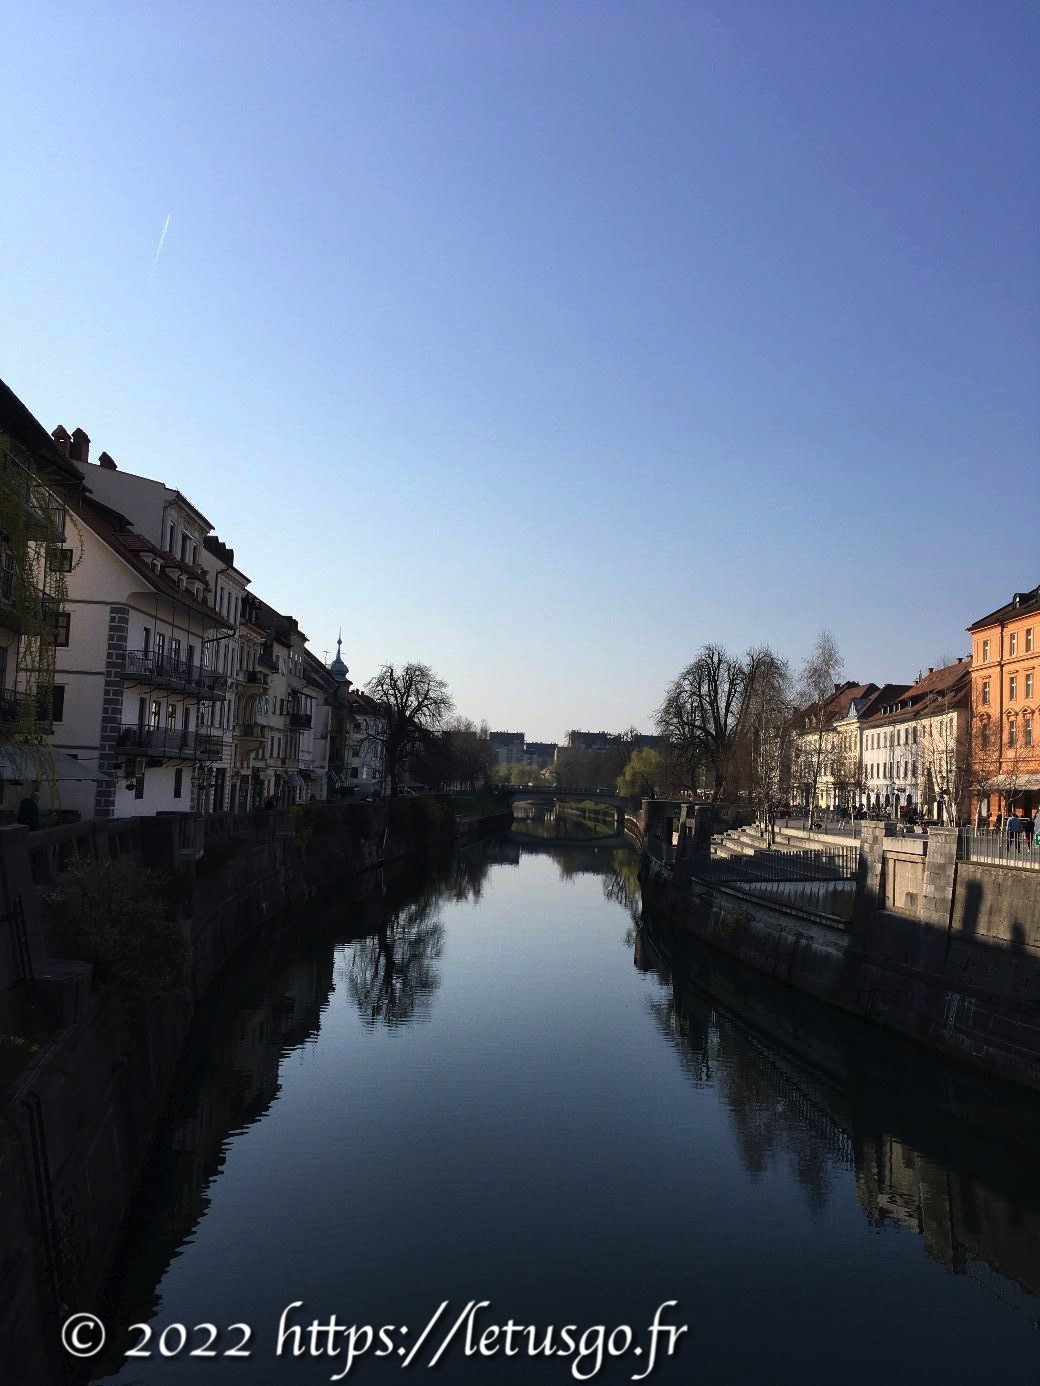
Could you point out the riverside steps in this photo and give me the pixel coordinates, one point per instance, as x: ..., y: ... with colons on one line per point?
x: 902, y: 931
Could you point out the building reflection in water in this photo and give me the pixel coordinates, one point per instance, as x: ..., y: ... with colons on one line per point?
x: 269, y: 1003
x: 935, y: 1149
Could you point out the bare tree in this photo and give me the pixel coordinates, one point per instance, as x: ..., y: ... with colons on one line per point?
x: 767, y: 718
x: 414, y: 704
x: 819, y: 683
x: 703, y: 715
x: 947, y: 754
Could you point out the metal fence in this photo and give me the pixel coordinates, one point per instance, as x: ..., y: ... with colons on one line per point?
x: 998, y: 847
x: 807, y: 864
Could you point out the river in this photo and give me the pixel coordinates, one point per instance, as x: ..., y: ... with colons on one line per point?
x: 485, y: 1082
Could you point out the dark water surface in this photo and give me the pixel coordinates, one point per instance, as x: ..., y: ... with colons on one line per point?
x: 486, y: 1085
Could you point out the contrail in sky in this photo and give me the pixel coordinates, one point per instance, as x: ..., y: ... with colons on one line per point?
x: 162, y: 239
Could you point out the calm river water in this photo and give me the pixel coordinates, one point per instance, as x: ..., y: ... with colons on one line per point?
x: 487, y: 1084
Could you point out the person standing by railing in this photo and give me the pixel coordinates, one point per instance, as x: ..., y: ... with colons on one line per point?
x: 1014, y: 830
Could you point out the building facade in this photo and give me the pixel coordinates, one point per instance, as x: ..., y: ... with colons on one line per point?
x: 1005, y: 698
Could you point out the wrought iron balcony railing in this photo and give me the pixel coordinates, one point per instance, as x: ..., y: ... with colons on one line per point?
x: 145, y: 666
x: 14, y: 711
x: 171, y: 743
x: 300, y: 720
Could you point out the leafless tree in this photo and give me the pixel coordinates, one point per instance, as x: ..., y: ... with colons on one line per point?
x: 414, y: 704
x: 947, y: 755
x: 704, y: 715
x: 817, y: 688
x: 767, y: 718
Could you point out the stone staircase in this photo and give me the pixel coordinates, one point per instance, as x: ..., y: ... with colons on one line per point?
x: 745, y: 842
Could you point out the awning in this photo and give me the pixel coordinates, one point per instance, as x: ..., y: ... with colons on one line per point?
x: 44, y: 763
x: 1005, y: 784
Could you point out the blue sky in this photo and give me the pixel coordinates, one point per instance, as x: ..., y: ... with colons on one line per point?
x: 546, y: 342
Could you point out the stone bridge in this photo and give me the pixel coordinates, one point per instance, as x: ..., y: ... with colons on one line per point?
x: 606, y: 798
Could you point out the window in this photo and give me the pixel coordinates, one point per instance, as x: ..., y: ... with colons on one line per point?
x: 195, y: 554
x: 1013, y: 687
x: 173, y: 536
x: 1027, y: 731
x: 1013, y: 643
x: 62, y: 626
x: 175, y: 650
x: 178, y: 781
x: 1012, y: 732
x: 984, y: 736
x: 985, y: 691
x: 1029, y: 685
x: 915, y: 736
x: 155, y: 714
x: 184, y: 548
x: 146, y: 640
x: 186, y: 718
x: 190, y: 660
x: 139, y: 785
x: 1029, y: 640
x: 59, y: 560
x: 985, y: 650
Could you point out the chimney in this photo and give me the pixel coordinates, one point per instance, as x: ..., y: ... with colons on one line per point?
x: 930, y: 669
x: 837, y: 688
x: 80, y: 449
x: 61, y: 439
x: 960, y: 659
x: 107, y: 463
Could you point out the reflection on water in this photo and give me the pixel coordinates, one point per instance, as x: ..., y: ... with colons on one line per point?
x: 534, y: 823
x: 934, y: 1149
x: 454, y: 1083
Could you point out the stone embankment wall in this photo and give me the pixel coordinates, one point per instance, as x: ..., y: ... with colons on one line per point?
x: 76, y: 1124
x: 943, y: 951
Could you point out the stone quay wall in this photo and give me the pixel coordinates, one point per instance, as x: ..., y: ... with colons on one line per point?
x: 943, y: 951
x: 76, y: 1124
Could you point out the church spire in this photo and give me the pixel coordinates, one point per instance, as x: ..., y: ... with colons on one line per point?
x: 337, y: 668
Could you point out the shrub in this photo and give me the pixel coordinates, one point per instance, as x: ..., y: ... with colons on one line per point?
x: 117, y: 916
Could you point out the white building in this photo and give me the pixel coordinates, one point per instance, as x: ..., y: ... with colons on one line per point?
x: 173, y: 673
x: 133, y: 669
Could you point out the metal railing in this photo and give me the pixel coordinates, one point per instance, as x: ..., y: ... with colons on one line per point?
x: 300, y: 720
x: 44, y: 507
x: 998, y: 847
x: 148, y: 667
x: 11, y: 705
x: 808, y: 864
x: 170, y: 743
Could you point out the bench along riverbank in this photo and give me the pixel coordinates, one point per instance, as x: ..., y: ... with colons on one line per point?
x: 77, y: 1119
x: 942, y: 950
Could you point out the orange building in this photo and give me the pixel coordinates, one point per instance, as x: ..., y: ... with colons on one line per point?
x: 1005, y: 688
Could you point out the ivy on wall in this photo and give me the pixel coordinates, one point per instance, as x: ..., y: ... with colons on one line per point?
x: 36, y: 558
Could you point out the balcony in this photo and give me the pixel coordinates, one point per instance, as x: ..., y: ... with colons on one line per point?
x: 12, y: 711
x: 44, y: 509
x: 250, y: 731
x: 163, y: 671
x: 255, y: 676
x: 300, y: 721
x: 171, y: 743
